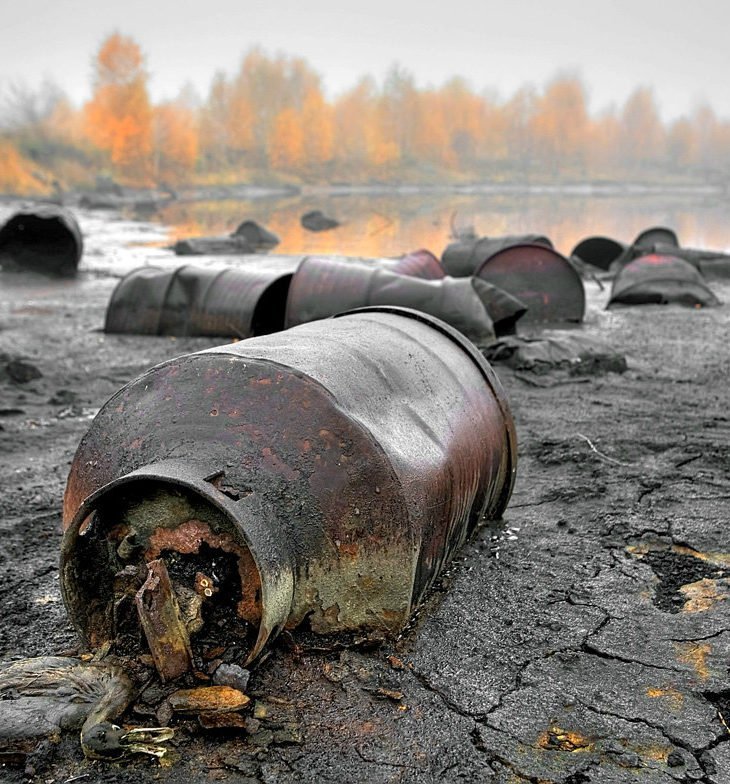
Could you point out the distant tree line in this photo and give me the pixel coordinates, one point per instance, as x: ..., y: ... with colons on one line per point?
x: 271, y: 121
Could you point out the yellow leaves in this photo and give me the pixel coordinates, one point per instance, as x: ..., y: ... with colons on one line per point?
x: 286, y: 148
x: 16, y: 173
x: 176, y: 142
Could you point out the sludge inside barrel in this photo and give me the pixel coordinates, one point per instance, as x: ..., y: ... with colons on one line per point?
x: 319, y: 476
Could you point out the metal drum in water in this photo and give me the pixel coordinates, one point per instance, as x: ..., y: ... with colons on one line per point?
x: 320, y: 476
x: 541, y: 278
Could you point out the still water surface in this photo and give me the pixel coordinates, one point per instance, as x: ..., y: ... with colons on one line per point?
x: 387, y: 225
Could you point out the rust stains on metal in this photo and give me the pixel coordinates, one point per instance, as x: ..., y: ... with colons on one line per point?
x: 187, y: 539
x: 159, y: 614
x: 661, y: 279
x: 326, y: 285
x: 465, y: 256
x: 393, y: 441
x: 541, y: 278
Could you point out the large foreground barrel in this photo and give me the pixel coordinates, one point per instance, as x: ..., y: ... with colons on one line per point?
x: 45, y: 238
x: 541, y: 278
x: 323, y: 475
x: 464, y: 257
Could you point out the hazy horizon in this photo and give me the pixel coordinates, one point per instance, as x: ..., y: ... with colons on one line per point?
x: 676, y: 48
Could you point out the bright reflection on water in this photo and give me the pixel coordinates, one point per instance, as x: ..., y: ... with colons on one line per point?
x: 387, y: 225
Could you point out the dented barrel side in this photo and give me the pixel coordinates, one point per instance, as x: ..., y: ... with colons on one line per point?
x: 546, y: 282
x: 326, y: 285
x: 340, y: 464
x: 241, y: 301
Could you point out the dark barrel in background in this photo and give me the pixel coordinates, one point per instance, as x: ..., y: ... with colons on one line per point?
x: 326, y: 285
x: 599, y: 251
x: 546, y: 282
x: 464, y: 257
x: 660, y: 279
x: 242, y: 301
x: 45, y: 238
x: 655, y: 235
x: 323, y: 474
x: 246, y: 299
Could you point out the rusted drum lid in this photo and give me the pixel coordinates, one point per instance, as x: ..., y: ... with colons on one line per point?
x: 462, y: 258
x: 45, y: 239
x: 418, y: 264
x: 656, y: 279
x: 656, y: 235
x: 539, y: 277
x: 599, y: 251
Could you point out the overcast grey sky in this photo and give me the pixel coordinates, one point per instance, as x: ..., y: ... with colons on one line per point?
x: 678, y: 47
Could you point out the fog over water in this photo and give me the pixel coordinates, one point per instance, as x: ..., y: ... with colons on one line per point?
x: 676, y: 47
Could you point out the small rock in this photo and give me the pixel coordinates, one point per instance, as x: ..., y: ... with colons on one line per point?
x: 22, y: 372
x: 288, y: 735
x: 675, y: 759
x: 232, y: 675
x: 64, y: 397
x: 262, y: 738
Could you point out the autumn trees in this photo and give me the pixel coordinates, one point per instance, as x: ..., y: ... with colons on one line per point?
x: 272, y: 119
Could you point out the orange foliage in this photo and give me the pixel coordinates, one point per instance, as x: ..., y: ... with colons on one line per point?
x: 176, y: 142
x: 119, y: 115
x: 16, y: 173
x: 286, y: 147
x: 317, y: 128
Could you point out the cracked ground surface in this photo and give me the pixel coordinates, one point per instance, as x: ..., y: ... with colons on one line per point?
x: 586, y: 639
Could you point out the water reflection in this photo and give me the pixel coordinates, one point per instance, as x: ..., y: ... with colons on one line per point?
x: 387, y: 225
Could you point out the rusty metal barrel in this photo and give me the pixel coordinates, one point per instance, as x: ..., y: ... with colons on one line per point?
x: 45, y: 239
x: 322, y: 476
x: 599, y: 251
x: 242, y: 301
x: 326, y: 285
x: 546, y: 282
x: 654, y: 235
x: 660, y: 279
x: 464, y: 257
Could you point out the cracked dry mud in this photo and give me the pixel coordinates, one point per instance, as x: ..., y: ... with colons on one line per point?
x: 586, y: 640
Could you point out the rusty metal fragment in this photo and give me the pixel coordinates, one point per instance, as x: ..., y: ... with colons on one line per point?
x: 159, y: 614
x: 660, y: 279
x: 322, y: 476
x: 541, y: 278
x: 464, y: 257
x: 45, y: 239
x: 210, y: 700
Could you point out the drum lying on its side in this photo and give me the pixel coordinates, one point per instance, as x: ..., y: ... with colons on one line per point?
x: 325, y: 474
x: 546, y: 282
